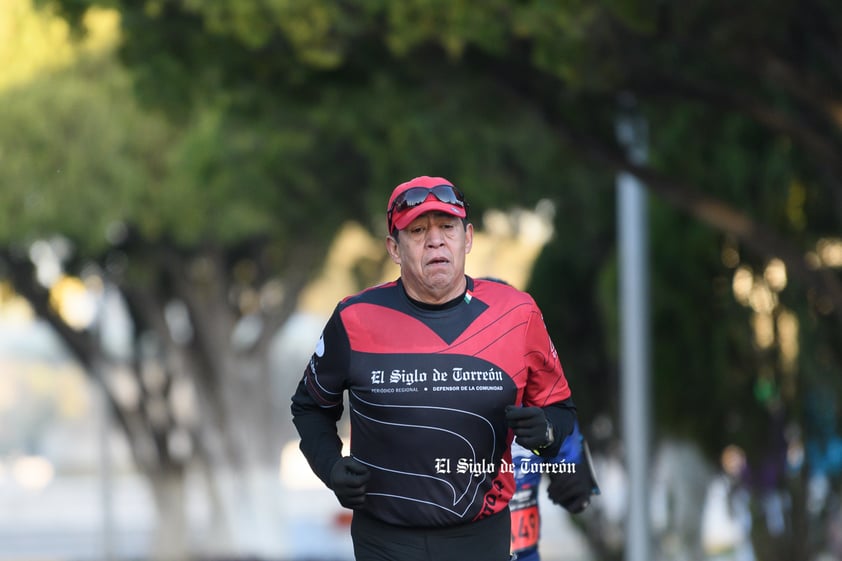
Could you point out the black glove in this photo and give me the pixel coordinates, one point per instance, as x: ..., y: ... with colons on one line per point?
x: 347, y: 480
x: 532, y: 431
x: 571, y: 490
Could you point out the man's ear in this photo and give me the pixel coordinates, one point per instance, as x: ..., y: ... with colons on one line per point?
x: 469, y: 238
x: 392, y: 248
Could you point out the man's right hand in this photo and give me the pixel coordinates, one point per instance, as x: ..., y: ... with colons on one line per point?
x: 347, y: 480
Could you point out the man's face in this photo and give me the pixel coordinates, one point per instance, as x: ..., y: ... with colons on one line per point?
x: 431, y: 253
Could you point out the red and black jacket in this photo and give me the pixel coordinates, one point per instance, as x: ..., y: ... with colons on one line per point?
x: 427, y: 389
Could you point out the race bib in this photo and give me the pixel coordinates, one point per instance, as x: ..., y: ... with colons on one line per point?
x: 526, y: 524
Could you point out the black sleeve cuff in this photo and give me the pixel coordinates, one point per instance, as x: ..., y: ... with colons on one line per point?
x: 562, y: 415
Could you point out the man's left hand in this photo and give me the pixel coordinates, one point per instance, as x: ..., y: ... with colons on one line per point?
x: 530, y: 426
x: 571, y: 490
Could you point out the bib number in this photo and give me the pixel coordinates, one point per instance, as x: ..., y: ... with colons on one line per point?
x: 526, y: 524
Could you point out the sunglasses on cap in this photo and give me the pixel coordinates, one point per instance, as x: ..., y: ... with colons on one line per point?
x: 414, y: 196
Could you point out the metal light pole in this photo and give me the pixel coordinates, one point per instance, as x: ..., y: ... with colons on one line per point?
x: 634, y: 333
x: 106, y: 478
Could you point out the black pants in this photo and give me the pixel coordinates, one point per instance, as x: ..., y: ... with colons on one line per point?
x: 486, y: 540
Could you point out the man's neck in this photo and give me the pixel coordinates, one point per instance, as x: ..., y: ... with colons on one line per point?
x: 437, y: 301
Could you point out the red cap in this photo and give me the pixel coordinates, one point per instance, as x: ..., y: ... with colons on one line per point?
x: 402, y: 220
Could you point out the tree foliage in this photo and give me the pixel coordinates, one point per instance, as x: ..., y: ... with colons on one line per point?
x: 741, y: 104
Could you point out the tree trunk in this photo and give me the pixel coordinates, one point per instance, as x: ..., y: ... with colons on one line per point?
x: 169, y: 490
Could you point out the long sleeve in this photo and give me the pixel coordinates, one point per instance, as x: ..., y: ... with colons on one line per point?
x: 317, y: 403
x: 316, y: 425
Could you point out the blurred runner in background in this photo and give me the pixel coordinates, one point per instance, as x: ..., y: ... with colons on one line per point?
x: 572, y: 483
